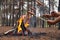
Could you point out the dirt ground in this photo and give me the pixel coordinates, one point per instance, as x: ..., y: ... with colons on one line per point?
x: 51, y: 34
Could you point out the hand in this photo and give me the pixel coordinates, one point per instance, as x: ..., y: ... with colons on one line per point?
x: 47, y: 15
x: 51, y: 22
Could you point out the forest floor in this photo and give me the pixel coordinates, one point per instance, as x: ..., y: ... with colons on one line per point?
x: 38, y: 34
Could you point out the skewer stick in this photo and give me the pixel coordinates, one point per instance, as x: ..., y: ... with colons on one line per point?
x: 43, y: 19
x: 46, y: 24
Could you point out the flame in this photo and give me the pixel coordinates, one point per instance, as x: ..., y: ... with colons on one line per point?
x: 19, y: 26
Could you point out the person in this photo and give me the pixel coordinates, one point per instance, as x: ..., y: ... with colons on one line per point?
x: 23, y: 22
x: 53, y: 14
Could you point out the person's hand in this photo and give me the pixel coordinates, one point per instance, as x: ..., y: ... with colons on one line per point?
x: 46, y: 15
x: 50, y: 22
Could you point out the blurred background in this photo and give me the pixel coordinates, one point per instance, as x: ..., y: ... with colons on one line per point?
x: 11, y: 10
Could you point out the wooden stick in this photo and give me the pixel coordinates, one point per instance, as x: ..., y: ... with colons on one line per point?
x: 43, y: 19
x: 46, y: 24
x: 9, y: 31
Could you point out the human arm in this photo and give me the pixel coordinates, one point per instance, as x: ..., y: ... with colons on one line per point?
x: 46, y: 15
x: 54, y: 21
x: 53, y: 14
